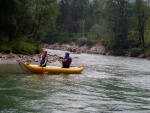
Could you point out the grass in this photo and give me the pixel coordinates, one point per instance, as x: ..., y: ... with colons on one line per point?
x: 19, y: 47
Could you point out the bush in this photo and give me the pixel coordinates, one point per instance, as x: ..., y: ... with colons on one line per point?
x: 82, y: 41
x: 58, y: 37
x: 86, y: 41
x: 5, y: 47
x: 146, y: 49
x: 19, y: 47
x: 109, y: 44
x: 135, y: 52
x: 119, y: 52
x: 25, y: 48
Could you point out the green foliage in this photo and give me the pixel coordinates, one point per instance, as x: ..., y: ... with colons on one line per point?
x: 109, y: 44
x: 82, y: 41
x: 134, y: 52
x: 20, y: 47
x: 147, y: 52
x: 58, y: 37
x: 30, y: 18
x: 5, y: 47
x: 25, y: 48
x: 146, y: 49
x: 119, y: 52
x: 118, y: 49
x: 74, y: 16
x: 86, y: 41
x: 118, y: 24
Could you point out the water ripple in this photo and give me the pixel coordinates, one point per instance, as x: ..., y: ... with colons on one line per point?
x: 107, y: 85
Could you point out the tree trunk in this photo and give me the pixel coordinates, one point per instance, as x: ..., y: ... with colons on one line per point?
x: 141, y: 21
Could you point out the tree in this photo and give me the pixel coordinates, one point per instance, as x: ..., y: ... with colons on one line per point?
x: 117, y: 17
x: 73, y: 17
x: 27, y: 18
x: 8, y: 16
x: 64, y: 20
x: 141, y: 20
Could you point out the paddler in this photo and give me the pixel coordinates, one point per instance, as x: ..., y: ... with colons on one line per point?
x: 66, y: 61
x: 44, y: 59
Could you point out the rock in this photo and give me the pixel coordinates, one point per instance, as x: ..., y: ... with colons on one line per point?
x: 76, y: 57
x: 97, y: 49
x: 45, y: 45
x: 142, y: 56
x: 148, y: 58
x: 10, y: 56
x: 55, y: 46
x: 35, y: 59
x: 83, y: 49
x: 19, y: 55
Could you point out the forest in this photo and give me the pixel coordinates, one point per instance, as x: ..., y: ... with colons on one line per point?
x: 122, y: 26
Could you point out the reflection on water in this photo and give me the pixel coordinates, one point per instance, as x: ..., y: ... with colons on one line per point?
x: 107, y: 85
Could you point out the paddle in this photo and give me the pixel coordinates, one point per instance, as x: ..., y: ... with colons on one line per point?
x: 57, y: 59
x: 42, y: 71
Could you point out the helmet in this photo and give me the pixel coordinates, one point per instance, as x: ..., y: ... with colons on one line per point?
x: 67, y: 53
x: 45, y: 51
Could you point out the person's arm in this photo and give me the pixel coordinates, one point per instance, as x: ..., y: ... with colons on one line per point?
x: 62, y: 60
x: 40, y: 55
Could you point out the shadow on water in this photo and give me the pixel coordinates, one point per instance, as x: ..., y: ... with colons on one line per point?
x: 10, y: 69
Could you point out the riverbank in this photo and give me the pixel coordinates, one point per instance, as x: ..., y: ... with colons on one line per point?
x: 10, y: 58
x: 96, y: 49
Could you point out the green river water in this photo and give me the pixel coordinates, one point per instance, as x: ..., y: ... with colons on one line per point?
x: 107, y: 85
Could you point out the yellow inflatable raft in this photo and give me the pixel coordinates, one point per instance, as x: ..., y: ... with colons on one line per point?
x: 51, y: 69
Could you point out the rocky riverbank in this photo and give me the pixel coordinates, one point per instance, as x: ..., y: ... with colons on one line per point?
x: 97, y: 49
x: 12, y: 57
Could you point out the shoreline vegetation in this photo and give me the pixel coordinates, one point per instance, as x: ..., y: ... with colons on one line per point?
x: 9, y: 58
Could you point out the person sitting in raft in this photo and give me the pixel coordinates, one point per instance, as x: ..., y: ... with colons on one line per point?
x: 66, y: 61
x: 44, y: 59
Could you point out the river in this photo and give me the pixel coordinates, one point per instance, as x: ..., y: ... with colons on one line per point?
x: 107, y: 85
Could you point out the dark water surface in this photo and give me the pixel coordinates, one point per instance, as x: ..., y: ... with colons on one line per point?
x: 107, y: 85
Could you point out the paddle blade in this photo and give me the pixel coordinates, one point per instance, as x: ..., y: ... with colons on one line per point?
x: 43, y: 71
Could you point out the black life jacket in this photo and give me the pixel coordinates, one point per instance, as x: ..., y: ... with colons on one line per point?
x: 43, y: 60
